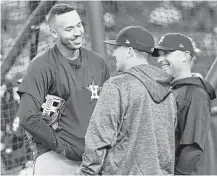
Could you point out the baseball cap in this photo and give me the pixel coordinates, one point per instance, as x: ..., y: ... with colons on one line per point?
x: 172, y: 42
x: 136, y: 37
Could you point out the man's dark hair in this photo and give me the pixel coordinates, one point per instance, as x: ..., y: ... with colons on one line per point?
x: 59, y: 9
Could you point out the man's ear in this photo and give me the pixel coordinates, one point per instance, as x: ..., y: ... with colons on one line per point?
x: 130, y: 52
x: 53, y: 33
x: 187, y: 57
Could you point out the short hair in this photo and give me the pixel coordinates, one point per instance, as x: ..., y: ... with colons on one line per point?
x: 59, y: 9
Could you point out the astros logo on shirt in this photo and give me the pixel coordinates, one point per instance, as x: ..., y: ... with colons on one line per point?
x: 94, y: 89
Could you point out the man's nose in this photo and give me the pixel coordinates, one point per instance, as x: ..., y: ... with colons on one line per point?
x: 160, y: 59
x: 77, y: 31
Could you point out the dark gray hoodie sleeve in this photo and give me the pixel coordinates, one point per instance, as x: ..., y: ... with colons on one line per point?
x: 103, y: 128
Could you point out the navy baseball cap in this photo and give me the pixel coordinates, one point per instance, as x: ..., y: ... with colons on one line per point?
x: 173, y: 42
x: 136, y: 37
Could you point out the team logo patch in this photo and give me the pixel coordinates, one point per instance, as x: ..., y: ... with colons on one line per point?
x: 127, y: 42
x: 181, y: 46
x: 161, y: 40
x: 94, y: 89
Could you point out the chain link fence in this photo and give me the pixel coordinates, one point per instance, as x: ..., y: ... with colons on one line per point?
x: 197, y: 19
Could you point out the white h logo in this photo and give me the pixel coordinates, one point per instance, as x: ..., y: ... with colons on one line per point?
x: 94, y: 89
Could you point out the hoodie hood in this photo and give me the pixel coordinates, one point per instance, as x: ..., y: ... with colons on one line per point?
x: 156, y: 81
x: 196, y: 81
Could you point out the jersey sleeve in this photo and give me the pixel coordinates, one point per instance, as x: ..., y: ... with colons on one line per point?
x: 32, y: 92
x: 30, y: 119
x: 36, y: 81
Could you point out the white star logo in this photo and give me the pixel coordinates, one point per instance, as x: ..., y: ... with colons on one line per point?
x: 94, y: 89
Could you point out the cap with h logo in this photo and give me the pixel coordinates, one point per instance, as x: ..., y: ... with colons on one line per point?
x: 136, y: 37
x: 173, y: 42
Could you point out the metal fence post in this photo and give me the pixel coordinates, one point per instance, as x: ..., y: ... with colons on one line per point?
x: 96, y: 26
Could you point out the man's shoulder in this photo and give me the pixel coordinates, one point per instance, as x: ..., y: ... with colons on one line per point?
x: 188, y: 86
x: 189, y: 94
x: 197, y: 93
x: 41, y: 60
x: 190, y: 91
x: 119, y: 80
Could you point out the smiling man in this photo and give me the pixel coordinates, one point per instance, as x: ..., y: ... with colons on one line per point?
x: 193, y: 96
x: 131, y: 131
x: 58, y: 94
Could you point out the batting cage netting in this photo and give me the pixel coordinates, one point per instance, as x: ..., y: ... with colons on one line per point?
x: 24, y: 33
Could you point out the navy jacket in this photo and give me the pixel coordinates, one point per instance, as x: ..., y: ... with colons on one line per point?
x: 193, y: 96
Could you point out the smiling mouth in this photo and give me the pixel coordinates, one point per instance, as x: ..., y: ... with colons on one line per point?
x: 77, y: 40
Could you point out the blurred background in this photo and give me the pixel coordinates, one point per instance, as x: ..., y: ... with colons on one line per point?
x: 24, y: 33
